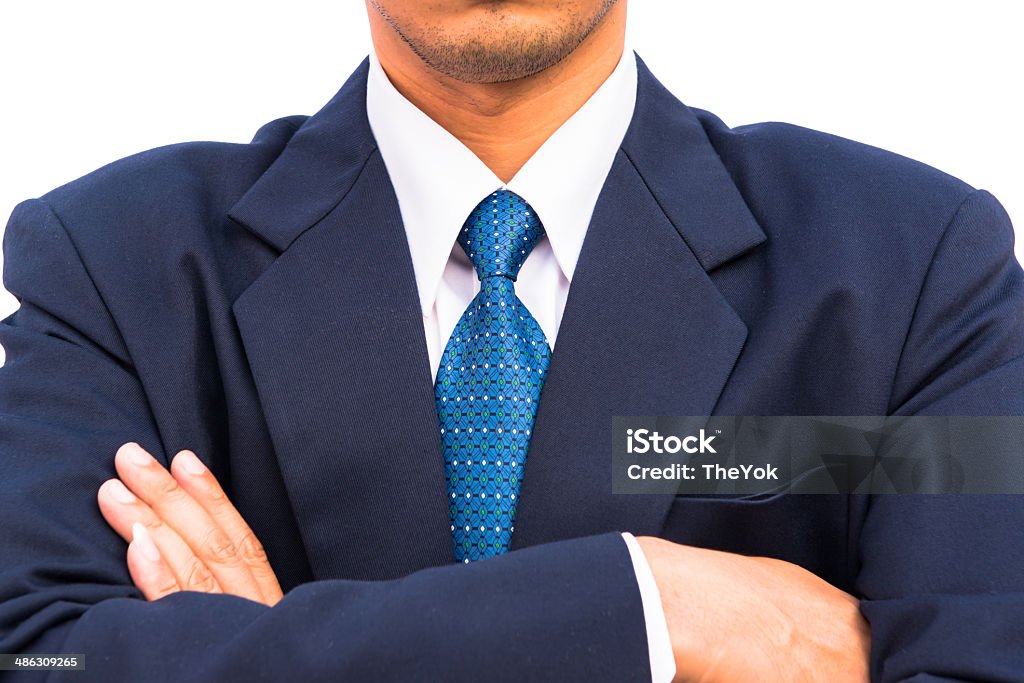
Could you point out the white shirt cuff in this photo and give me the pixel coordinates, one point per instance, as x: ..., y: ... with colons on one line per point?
x: 659, y: 645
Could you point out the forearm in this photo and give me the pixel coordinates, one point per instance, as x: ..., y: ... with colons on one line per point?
x: 563, y: 611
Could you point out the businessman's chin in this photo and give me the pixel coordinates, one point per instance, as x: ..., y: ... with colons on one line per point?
x: 497, y: 42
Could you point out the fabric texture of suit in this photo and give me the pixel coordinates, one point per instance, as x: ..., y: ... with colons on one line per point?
x: 234, y: 299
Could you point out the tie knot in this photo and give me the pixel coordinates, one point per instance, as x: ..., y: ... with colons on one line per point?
x: 500, y: 233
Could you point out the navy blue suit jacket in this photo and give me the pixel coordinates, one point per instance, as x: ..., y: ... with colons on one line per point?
x: 256, y: 303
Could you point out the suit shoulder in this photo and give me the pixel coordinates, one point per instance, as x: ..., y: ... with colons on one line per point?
x: 171, y: 181
x: 777, y: 163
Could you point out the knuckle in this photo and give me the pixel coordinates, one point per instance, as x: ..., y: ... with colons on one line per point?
x: 156, y: 526
x: 198, y: 577
x: 219, y: 547
x: 169, y: 490
x: 214, y: 493
x: 252, y: 550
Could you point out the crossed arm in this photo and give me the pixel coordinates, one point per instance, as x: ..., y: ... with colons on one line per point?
x: 730, y: 617
x: 70, y: 393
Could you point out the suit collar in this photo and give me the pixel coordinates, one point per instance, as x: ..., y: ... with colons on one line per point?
x: 680, y: 166
x: 685, y: 174
x: 317, y: 167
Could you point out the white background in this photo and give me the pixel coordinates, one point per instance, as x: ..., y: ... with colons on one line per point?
x: 86, y: 82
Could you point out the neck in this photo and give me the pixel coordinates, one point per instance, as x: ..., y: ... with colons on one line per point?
x: 504, y: 123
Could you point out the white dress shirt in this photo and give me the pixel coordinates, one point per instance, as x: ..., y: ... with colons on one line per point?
x: 438, y: 182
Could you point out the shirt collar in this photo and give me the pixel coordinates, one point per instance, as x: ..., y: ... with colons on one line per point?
x: 438, y: 181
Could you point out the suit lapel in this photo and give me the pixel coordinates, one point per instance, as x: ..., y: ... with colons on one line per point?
x: 645, y: 330
x: 334, y: 337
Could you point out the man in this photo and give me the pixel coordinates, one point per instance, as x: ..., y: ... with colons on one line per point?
x: 302, y: 312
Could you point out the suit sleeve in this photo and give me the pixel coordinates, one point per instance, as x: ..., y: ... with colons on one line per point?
x: 69, y: 396
x: 943, y: 576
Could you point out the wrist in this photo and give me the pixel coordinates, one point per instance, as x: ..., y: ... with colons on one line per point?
x: 685, y: 620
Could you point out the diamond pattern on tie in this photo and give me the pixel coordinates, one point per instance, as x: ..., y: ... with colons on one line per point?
x: 490, y: 379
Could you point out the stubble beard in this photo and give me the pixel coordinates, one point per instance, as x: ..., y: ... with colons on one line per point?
x: 496, y: 51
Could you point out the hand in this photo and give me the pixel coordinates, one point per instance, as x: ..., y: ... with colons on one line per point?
x: 183, y: 532
x: 734, y: 618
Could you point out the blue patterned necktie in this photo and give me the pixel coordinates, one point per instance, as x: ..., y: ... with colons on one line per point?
x: 490, y: 379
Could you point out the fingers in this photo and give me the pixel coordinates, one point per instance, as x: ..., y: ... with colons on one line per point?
x: 199, y: 536
x: 203, y: 487
x: 150, y: 573
x: 179, y: 511
x: 122, y: 509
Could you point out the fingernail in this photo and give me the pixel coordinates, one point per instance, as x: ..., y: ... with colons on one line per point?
x: 144, y: 542
x: 120, y: 492
x: 137, y: 455
x: 190, y: 463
